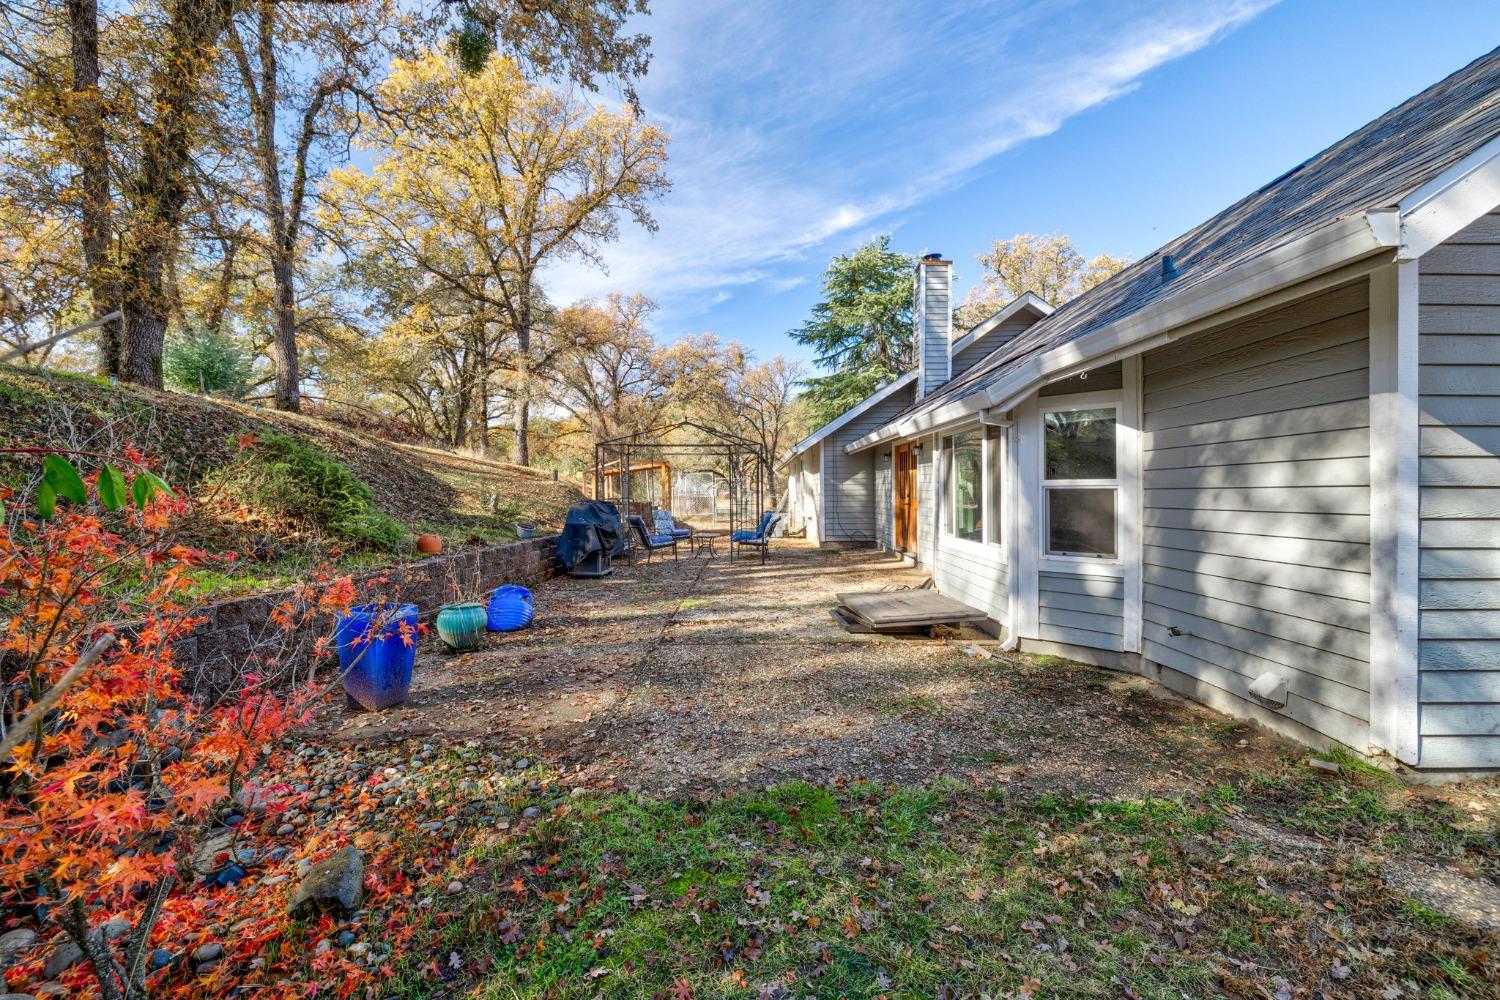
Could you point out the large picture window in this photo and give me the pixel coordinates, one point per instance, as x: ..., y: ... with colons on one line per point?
x: 1081, y: 481
x: 966, y: 485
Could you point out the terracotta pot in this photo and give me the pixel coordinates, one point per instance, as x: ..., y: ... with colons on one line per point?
x: 429, y: 545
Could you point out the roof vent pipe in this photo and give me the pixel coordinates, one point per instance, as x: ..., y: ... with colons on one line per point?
x: 1168, y: 267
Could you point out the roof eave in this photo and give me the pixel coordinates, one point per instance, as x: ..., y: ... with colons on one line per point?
x: 884, y: 392
x: 1334, y: 245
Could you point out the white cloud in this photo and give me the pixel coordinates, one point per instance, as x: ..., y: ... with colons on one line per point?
x: 792, y: 130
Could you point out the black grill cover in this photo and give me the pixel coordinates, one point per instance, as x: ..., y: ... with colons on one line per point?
x: 592, y: 526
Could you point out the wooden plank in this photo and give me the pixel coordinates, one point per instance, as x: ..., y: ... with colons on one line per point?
x: 1454, y: 752
x: 1349, y: 585
x: 1461, y: 471
x: 1462, y: 654
x: 1318, y: 527
x: 1287, y: 320
x: 1461, y: 720
x: 1272, y: 624
x: 1460, y: 380
x: 1458, y: 502
x: 1443, y: 319
x: 1461, y: 258
x: 1455, y: 349
x: 1330, y: 679
x: 1320, y: 362
x: 1327, y: 472
x: 1460, y: 686
x: 1310, y: 713
x: 883, y: 609
x: 1460, y: 534
x: 1285, y: 499
x: 1094, y: 586
x: 1109, y: 607
x: 1334, y: 388
x: 1340, y: 611
x: 1346, y: 556
x: 1320, y: 416
x: 1460, y: 442
x: 1460, y: 564
x: 1078, y: 637
x: 1464, y: 624
x: 1461, y: 411
x: 1460, y: 289
x: 1249, y: 664
x: 1246, y: 357
x: 1352, y: 443
x: 1467, y: 595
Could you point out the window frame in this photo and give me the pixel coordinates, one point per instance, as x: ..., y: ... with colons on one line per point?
x: 1066, y: 404
x: 950, y: 480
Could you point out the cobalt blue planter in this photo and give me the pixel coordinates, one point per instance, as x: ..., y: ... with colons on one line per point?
x: 510, y: 608
x: 377, y: 671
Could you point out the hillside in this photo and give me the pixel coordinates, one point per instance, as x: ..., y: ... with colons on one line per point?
x: 460, y: 497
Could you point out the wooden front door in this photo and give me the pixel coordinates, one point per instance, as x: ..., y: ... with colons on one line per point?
x: 904, y: 463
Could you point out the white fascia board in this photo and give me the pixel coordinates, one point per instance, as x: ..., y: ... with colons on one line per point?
x: 879, y: 395
x: 1450, y: 201
x: 1325, y: 249
x: 1026, y: 300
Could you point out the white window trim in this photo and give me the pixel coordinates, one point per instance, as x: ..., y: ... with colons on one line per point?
x: 1090, y: 565
x: 994, y: 474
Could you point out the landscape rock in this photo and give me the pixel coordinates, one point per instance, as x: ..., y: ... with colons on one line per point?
x: 336, y: 881
x: 1326, y: 766
x: 211, y: 952
x: 13, y: 943
x: 63, y: 958
x: 205, y: 856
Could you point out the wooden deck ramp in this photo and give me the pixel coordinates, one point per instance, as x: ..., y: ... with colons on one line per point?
x: 901, y: 610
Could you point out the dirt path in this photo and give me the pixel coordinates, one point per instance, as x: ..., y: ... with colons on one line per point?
x: 697, y: 676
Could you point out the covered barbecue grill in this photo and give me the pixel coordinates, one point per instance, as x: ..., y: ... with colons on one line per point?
x: 591, y: 537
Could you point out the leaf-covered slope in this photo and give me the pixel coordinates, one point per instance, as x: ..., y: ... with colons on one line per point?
x: 423, y: 488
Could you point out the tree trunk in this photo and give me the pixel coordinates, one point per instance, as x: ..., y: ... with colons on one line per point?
x: 95, y: 221
x: 140, y: 348
x: 160, y: 190
x: 288, y: 394
x: 523, y: 377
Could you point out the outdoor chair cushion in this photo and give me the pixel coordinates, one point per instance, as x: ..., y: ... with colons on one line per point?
x: 758, y: 536
x: 654, y: 541
x: 664, y: 524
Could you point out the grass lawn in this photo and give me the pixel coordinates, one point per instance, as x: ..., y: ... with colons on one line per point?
x: 945, y: 891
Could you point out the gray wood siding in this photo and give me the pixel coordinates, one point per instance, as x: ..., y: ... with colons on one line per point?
x: 934, y: 324
x: 885, y: 502
x: 1256, y: 533
x: 849, y: 481
x: 1459, y: 473
x: 975, y: 573
x: 1083, y: 610
x: 926, y: 504
x: 985, y: 346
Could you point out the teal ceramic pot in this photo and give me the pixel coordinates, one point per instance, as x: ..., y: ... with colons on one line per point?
x: 461, y: 626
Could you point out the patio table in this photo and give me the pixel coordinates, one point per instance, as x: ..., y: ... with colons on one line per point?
x: 702, y: 541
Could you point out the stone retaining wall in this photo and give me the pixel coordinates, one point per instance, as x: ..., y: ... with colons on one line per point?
x: 236, y: 629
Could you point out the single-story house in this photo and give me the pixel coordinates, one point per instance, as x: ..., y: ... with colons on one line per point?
x: 1261, y: 465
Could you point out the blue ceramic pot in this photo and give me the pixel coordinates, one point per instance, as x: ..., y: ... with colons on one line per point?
x: 510, y: 608
x: 377, y: 668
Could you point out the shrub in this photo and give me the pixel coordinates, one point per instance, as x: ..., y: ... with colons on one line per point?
x: 113, y: 771
x: 290, y: 478
x: 206, y: 362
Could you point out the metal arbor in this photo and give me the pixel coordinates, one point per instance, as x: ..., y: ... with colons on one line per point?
x: 695, y: 448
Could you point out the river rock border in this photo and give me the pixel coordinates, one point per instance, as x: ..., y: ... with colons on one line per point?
x: 235, y: 630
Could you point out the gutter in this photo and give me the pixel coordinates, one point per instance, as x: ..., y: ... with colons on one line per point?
x: 1339, y: 243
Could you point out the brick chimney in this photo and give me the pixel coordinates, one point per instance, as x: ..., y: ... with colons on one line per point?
x: 934, y: 322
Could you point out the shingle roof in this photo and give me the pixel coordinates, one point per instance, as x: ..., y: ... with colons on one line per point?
x: 1372, y: 168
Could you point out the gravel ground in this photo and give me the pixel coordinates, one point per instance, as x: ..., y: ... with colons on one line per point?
x: 695, y: 676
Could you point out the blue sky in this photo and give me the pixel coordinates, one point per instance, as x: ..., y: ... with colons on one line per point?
x: 800, y: 130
